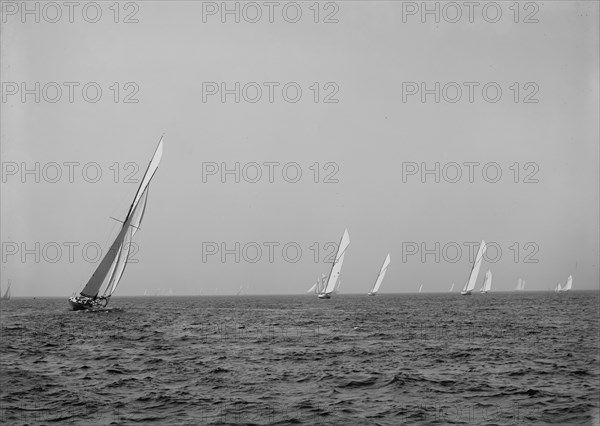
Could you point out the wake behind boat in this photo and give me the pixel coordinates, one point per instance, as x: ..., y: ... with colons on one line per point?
x: 470, y: 285
x: 336, y: 268
x: 113, y: 264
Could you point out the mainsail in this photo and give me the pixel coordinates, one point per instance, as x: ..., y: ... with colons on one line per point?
x: 112, y: 266
x: 381, y: 275
x: 452, y: 287
x: 336, y: 268
x: 470, y: 285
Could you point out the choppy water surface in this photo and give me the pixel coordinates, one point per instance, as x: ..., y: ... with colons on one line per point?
x: 528, y: 358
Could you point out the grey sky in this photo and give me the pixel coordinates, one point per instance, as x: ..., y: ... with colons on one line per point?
x: 369, y: 133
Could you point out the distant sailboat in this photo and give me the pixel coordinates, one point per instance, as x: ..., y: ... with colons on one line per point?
x: 569, y: 284
x: 520, y: 285
x: 470, y: 285
x: 337, y: 287
x: 6, y: 295
x: 567, y: 287
x: 318, y: 286
x: 420, y: 288
x: 336, y: 268
x: 112, y: 266
x: 452, y: 288
x: 380, y: 277
x: 487, y: 283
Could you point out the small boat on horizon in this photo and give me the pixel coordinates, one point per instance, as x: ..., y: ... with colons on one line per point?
x: 6, y: 295
x: 487, y: 283
x: 380, y: 276
x: 470, y: 285
x: 336, y: 268
x: 567, y: 287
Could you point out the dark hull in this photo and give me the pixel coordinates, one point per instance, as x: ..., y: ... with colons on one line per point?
x: 324, y: 296
x: 78, y: 306
x: 81, y: 303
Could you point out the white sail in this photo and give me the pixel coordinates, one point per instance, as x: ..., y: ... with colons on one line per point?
x: 470, y: 285
x: 381, y: 275
x: 569, y: 284
x: 313, y: 289
x: 114, y: 261
x: 452, y: 287
x: 421, y: 288
x: 518, y: 287
x: 558, y: 288
x: 523, y: 286
x: 487, y: 283
x: 150, y: 170
x: 7, y: 292
x: 337, y: 287
x: 337, y: 264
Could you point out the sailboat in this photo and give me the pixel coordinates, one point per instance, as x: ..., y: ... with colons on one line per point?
x: 487, y: 283
x: 520, y: 285
x: 470, y: 285
x: 567, y: 287
x: 569, y: 284
x: 6, y: 295
x: 380, y: 277
x: 111, y: 267
x: 336, y: 268
x: 420, y: 288
x: 318, y: 285
x: 452, y: 288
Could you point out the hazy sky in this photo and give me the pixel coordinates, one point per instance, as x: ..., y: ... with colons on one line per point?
x: 376, y: 54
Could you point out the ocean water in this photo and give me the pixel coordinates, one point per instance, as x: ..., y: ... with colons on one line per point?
x: 500, y: 358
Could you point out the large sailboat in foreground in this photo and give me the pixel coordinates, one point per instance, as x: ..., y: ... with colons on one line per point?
x: 380, y: 277
x: 110, y: 270
x: 487, y: 283
x: 470, y: 285
x: 336, y: 268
